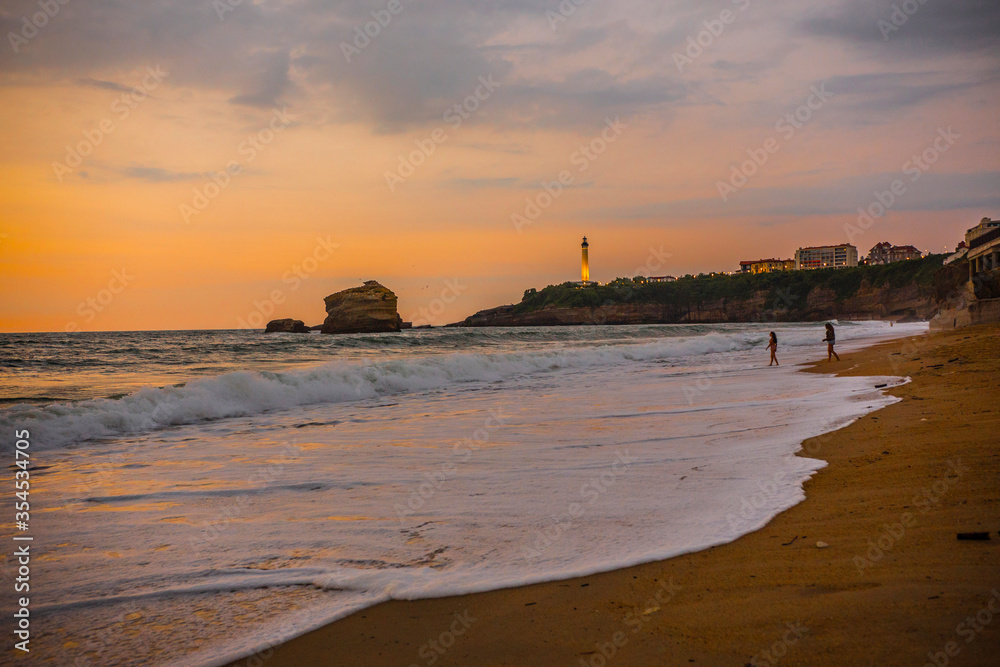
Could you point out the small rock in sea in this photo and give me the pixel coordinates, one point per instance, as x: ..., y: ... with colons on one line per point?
x: 822, y: 545
x: 287, y: 325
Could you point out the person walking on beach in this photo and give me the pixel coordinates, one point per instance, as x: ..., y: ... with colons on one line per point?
x: 830, y: 340
x: 773, y: 346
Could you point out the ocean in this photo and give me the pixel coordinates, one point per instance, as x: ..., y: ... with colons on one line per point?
x: 197, y: 496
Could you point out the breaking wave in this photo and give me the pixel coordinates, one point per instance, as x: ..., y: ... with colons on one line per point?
x: 243, y: 394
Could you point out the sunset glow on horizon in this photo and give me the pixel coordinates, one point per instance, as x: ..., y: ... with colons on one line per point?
x: 174, y: 165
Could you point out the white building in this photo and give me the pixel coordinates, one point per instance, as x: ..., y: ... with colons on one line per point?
x: 984, y: 246
x: 826, y: 257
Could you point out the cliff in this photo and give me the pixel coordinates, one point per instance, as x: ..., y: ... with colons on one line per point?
x: 370, y: 308
x: 905, y: 290
x: 962, y: 302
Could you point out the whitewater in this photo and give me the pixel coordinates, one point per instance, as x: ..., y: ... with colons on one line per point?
x: 242, y: 489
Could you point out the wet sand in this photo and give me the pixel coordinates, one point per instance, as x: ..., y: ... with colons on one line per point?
x: 892, y: 586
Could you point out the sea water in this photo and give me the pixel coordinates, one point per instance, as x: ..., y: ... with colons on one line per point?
x: 198, y: 496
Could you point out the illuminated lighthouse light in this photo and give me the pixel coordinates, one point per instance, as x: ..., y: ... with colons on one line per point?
x: 585, y: 267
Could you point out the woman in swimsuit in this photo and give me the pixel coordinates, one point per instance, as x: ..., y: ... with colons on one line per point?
x: 830, y: 339
x: 773, y: 346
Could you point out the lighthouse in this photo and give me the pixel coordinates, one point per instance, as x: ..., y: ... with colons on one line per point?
x: 585, y: 266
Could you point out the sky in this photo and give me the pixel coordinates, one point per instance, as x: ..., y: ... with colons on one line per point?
x: 216, y: 164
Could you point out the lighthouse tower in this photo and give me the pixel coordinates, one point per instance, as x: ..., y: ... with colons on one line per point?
x: 585, y: 267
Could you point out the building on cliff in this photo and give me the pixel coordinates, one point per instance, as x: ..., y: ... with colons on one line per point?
x: 826, y: 257
x: 886, y: 253
x: 984, y: 247
x: 766, y: 265
x: 961, y: 250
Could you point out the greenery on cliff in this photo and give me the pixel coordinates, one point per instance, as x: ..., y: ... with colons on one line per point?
x: 786, y: 289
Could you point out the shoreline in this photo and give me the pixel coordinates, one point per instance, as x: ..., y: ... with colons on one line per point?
x: 904, y: 477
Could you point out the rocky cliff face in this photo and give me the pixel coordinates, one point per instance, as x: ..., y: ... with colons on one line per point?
x: 867, y: 303
x: 962, y: 302
x: 367, y: 309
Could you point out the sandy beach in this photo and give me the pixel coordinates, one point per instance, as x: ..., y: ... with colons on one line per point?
x: 867, y: 570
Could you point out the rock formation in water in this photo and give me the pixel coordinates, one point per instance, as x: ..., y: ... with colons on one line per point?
x: 286, y: 326
x: 370, y: 308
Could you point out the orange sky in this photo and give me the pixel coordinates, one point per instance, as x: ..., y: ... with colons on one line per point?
x: 444, y: 240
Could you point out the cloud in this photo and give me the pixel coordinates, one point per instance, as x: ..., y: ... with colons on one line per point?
x: 875, y: 98
x: 105, y: 85
x: 156, y: 174
x: 426, y: 59
x: 932, y: 192
x: 272, y: 81
x: 490, y: 183
x: 606, y: 59
x: 959, y: 26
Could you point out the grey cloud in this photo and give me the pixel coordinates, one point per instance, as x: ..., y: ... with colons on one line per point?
x: 428, y: 58
x: 878, y: 98
x: 606, y: 59
x: 941, y: 25
x: 487, y: 183
x: 157, y: 175
x: 105, y: 85
x: 932, y: 192
x: 272, y: 81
